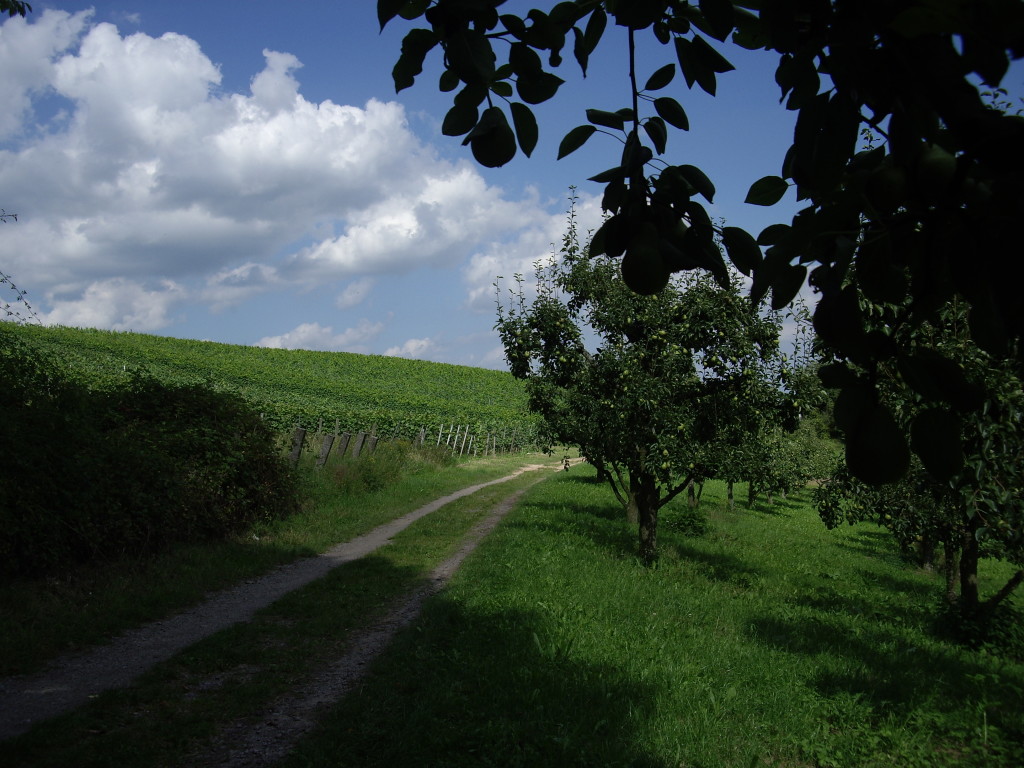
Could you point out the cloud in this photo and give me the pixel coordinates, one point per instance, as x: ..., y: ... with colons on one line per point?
x: 147, y: 171
x: 518, y: 257
x: 318, y: 337
x: 354, y: 294
x: 416, y: 349
x: 26, y: 59
x: 437, y: 224
x: 231, y: 287
x: 118, y: 304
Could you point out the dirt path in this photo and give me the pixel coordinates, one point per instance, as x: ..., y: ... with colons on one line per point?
x: 264, y: 740
x: 71, y: 681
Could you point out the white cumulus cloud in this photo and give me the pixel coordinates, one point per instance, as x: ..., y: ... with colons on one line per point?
x: 118, y: 304
x: 319, y: 337
x: 416, y: 349
x: 147, y: 173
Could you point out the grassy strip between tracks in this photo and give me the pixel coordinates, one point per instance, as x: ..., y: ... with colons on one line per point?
x: 172, y: 711
x: 42, y: 619
x: 760, y: 639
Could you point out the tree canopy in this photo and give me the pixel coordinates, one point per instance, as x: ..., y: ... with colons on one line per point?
x: 657, y: 391
x: 927, y: 213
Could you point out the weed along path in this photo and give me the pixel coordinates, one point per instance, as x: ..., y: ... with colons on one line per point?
x: 74, y: 680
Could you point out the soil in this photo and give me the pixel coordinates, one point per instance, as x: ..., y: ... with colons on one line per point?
x: 71, y: 681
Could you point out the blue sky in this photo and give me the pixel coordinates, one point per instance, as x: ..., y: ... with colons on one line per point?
x: 242, y: 171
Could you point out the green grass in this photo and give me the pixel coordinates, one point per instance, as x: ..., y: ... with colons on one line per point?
x: 760, y: 638
x: 44, y: 618
x: 766, y: 641
x: 173, y: 710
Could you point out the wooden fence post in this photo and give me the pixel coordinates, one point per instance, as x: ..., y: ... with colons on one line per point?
x: 343, y: 446
x: 325, y: 450
x: 298, y: 438
x: 357, y: 446
x: 371, y: 444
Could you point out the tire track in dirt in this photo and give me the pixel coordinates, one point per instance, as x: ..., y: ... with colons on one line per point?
x: 255, y: 742
x: 71, y: 681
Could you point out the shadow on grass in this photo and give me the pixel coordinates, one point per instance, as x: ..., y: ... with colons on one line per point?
x: 475, y: 687
x: 883, y: 666
x: 603, y: 524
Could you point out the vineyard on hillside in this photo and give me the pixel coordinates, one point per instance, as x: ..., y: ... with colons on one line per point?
x: 393, y: 396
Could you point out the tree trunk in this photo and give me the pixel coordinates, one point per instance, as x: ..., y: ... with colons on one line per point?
x: 643, y: 497
x: 691, y: 495
x: 751, y: 494
x: 731, y: 499
x: 951, y: 568
x: 969, y: 557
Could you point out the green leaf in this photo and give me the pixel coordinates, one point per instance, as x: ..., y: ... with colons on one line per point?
x: 415, y: 47
x: 742, y: 249
x: 936, y: 377
x: 935, y: 438
x: 387, y: 10
x: 502, y: 88
x: 711, y: 58
x: 612, y: 174
x: 524, y: 60
x: 661, y: 78
x: 699, y: 181
x: 492, y: 141
x: 853, y: 404
x: 514, y: 24
x: 672, y: 112
x: 720, y: 15
x: 460, y: 119
x: 596, y: 25
x: 658, y: 133
x: 643, y: 269
x: 526, y: 127
x: 537, y: 88
x: 469, y: 53
x: 876, y: 450
x: 606, y: 119
x: 767, y: 191
x: 693, y: 66
x: 611, y: 237
x: 449, y: 81
x: 575, y: 139
x: 787, y: 285
x: 585, y: 42
x: 413, y: 9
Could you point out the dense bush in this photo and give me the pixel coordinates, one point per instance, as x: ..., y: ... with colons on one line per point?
x: 91, y: 474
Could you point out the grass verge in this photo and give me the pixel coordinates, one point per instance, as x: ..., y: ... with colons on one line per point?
x: 765, y: 640
x: 168, y: 716
x: 45, y: 618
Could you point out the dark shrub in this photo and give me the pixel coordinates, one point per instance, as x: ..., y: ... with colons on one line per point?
x: 87, y: 475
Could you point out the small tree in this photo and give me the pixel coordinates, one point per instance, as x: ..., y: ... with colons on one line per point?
x: 644, y: 385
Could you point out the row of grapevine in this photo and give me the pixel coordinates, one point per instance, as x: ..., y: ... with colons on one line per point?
x: 393, y: 397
